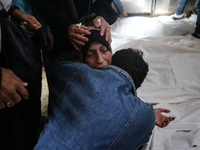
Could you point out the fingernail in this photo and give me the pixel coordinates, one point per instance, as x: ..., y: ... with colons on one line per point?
x: 25, y: 84
x: 35, y: 25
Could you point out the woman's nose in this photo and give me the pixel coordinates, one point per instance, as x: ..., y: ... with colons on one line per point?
x: 100, y: 59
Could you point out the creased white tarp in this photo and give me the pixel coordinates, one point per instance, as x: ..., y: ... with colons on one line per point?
x: 173, y: 80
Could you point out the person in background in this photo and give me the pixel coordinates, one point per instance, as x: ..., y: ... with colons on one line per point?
x: 120, y: 9
x: 197, y: 29
x: 67, y: 36
x: 179, y: 15
x: 179, y: 10
x: 119, y: 6
x: 27, y: 7
x: 19, y: 111
x: 44, y: 39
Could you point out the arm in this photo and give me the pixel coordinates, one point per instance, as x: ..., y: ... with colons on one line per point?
x: 58, y: 15
x: 32, y: 25
x: 104, y: 9
x: 107, y: 15
x: 12, y: 89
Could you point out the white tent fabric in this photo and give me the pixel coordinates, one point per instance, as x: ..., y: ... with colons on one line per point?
x: 173, y: 80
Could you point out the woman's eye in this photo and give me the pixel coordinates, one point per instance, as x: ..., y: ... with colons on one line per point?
x: 89, y: 54
x: 104, y: 50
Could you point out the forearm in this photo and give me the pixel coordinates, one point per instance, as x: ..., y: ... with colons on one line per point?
x: 103, y: 8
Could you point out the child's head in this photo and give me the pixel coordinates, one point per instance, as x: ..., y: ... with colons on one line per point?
x: 132, y: 62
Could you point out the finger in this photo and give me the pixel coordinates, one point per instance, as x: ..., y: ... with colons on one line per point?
x: 16, y: 98
x: 18, y: 80
x: 23, y: 92
x: 50, y: 43
x: 82, y: 31
x: 80, y: 40
x: 30, y: 33
x: 108, y: 35
x: 49, y: 46
x: 102, y: 29
x: 165, y: 110
x: 2, y: 105
x: 78, y: 35
x: 10, y: 104
x: 34, y: 23
x: 96, y: 23
x: 6, y: 99
x: 171, y: 118
x: 84, y: 27
x: 76, y: 47
x: 44, y: 39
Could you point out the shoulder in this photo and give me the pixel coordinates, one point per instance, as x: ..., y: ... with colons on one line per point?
x: 122, y: 73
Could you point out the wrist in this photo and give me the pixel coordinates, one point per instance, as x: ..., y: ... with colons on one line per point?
x: 12, y: 9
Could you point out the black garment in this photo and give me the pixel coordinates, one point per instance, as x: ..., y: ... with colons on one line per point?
x: 57, y: 13
x: 19, y: 124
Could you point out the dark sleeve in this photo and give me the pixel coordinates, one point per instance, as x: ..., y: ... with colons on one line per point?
x: 55, y: 13
x: 0, y: 76
x: 103, y: 8
x: 12, y: 8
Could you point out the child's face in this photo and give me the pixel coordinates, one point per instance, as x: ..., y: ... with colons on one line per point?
x: 98, y: 56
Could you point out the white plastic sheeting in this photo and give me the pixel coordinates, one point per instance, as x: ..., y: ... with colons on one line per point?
x: 173, y: 81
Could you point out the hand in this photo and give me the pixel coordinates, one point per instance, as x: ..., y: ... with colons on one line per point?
x: 104, y: 28
x: 76, y: 37
x: 32, y: 25
x: 161, y: 120
x: 12, y: 89
x: 48, y: 39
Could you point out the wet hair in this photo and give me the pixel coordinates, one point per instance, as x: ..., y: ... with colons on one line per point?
x: 131, y: 60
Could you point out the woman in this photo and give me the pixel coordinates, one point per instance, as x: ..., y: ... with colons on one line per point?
x: 94, y: 106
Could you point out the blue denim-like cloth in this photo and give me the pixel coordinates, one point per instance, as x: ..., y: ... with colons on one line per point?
x: 180, y: 10
x: 119, y: 6
x: 197, y: 6
x: 92, y: 109
x: 181, y: 6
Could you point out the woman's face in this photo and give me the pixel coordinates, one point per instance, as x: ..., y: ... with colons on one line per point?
x: 98, y: 56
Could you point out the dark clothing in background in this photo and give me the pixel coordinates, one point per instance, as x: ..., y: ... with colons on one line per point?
x: 19, y: 124
x: 58, y: 15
